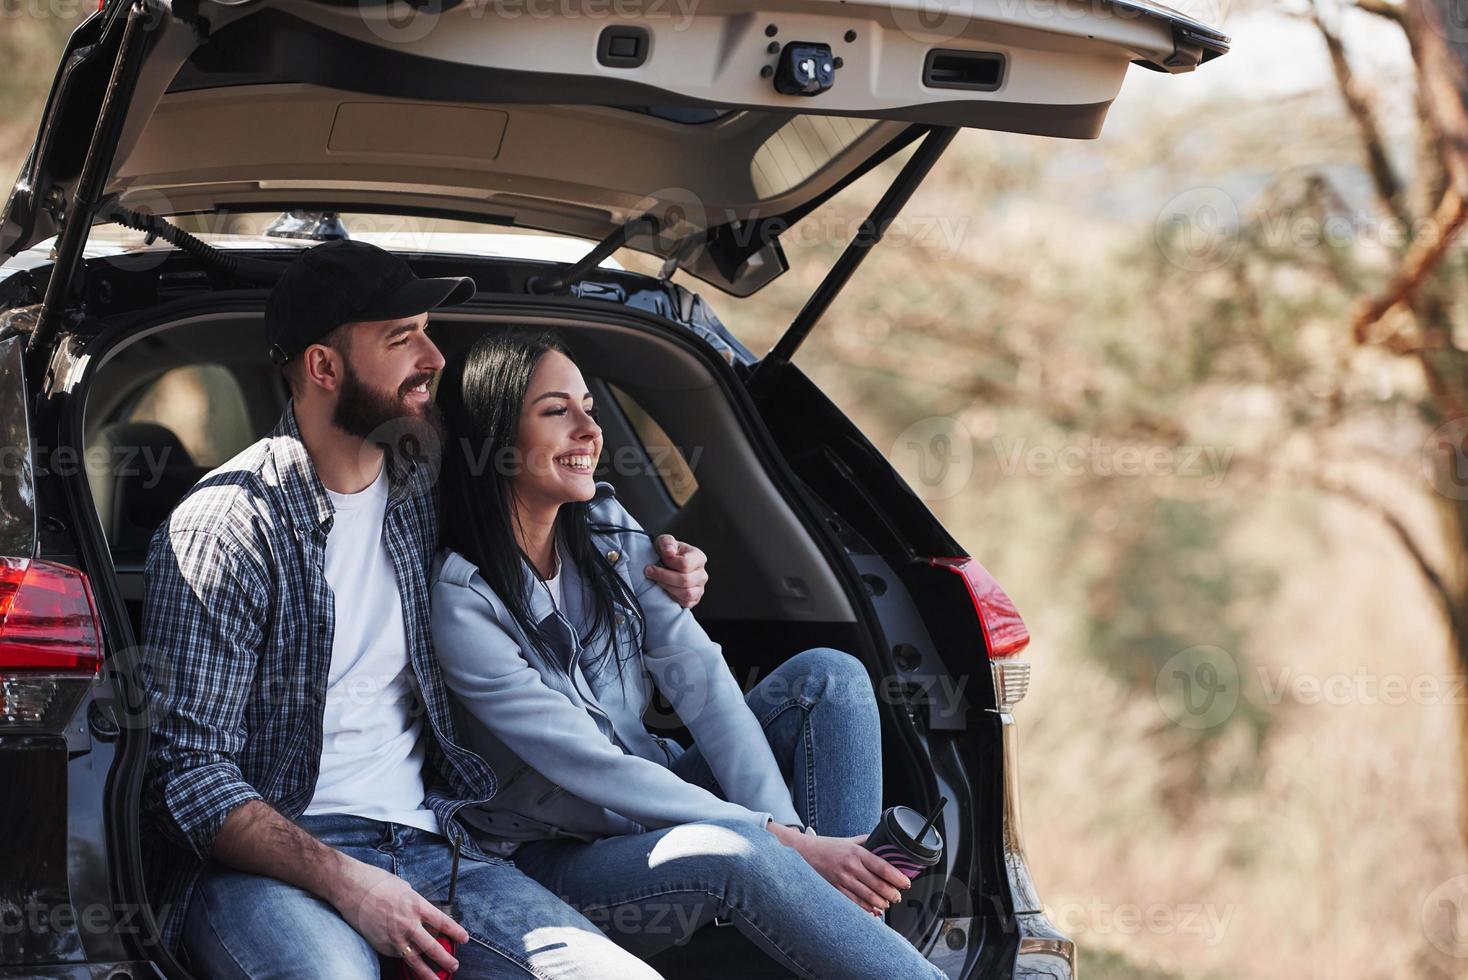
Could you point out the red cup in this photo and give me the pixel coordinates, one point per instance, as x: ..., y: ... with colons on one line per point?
x: 453, y: 949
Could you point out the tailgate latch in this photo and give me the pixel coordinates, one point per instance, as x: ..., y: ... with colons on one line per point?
x: 805, y: 68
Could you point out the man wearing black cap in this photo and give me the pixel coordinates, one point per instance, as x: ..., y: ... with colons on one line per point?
x: 303, y: 774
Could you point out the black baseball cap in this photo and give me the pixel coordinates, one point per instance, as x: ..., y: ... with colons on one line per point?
x: 345, y: 281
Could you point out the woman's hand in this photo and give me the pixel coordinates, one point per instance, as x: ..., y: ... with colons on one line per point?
x: 682, y: 573
x: 856, y: 872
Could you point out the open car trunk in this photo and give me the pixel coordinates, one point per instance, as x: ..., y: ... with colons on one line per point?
x: 688, y: 454
x: 569, y: 120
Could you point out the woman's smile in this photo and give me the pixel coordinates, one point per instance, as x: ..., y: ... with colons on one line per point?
x: 577, y: 461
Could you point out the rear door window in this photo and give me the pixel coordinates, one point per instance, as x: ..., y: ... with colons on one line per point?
x: 663, y: 454
x: 204, y: 406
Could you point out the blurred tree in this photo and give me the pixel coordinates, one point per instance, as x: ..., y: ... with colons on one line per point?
x: 1168, y: 580
x: 31, y: 41
x: 1411, y: 308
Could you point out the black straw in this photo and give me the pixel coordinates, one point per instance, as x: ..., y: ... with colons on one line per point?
x: 932, y: 818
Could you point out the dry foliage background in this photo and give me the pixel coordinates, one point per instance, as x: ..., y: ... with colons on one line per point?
x: 1124, y: 373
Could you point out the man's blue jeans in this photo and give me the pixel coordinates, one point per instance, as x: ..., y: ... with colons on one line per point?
x: 650, y: 891
x: 257, y: 928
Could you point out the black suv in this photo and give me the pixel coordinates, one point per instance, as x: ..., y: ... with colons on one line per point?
x: 188, y: 150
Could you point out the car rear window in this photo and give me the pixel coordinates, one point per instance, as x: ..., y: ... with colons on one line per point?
x: 667, y: 459
x: 204, y: 406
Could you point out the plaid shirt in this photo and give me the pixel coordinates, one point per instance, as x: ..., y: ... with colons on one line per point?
x: 238, y: 622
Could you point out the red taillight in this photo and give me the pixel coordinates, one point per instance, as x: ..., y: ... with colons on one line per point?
x: 48, y: 621
x: 1005, y: 633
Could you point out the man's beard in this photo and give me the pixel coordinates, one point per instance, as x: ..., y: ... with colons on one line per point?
x: 383, y: 418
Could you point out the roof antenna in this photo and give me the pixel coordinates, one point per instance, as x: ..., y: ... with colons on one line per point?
x: 318, y: 226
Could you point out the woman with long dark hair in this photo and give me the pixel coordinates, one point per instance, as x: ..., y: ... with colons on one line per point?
x: 551, y: 642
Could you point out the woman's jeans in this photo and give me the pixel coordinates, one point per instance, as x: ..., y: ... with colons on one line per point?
x: 650, y: 891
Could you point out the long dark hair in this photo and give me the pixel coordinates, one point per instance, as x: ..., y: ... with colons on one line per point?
x: 481, y: 396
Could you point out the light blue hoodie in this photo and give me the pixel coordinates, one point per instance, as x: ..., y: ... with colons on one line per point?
x: 572, y: 754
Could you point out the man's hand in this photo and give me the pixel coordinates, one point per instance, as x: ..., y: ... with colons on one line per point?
x: 682, y: 573
x: 856, y: 872
x: 388, y: 913
x: 395, y: 919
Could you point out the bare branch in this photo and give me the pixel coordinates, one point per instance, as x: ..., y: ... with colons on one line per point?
x: 1435, y: 581
x: 1437, y: 584
x: 1384, y: 177
x: 1423, y: 255
x: 1419, y: 342
x: 1440, y: 78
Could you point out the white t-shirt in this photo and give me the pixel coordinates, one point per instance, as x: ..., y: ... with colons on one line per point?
x: 554, y: 582
x: 372, y: 753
